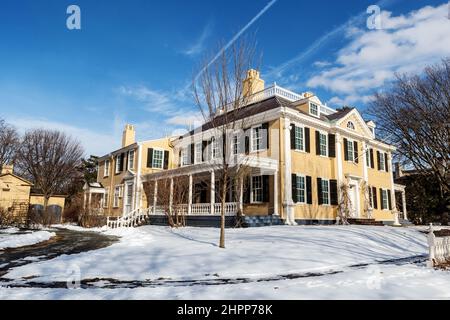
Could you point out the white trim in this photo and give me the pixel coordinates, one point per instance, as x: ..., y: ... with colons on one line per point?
x: 252, y: 201
x: 131, y: 167
x: 138, y: 187
x: 106, y: 169
x: 153, y: 157
x: 261, y: 138
x: 360, y: 120
x: 302, y: 127
x: 305, y: 193
x: 325, y: 133
x: 196, y: 152
x: 310, y: 108
x: 387, y: 199
x: 329, y: 191
x: 117, y: 167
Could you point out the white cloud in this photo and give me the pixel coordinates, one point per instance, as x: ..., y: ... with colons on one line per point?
x: 407, y: 43
x: 93, y: 142
x: 199, y: 45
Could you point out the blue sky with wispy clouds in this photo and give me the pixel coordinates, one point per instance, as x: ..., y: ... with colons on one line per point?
x: 133, y: 60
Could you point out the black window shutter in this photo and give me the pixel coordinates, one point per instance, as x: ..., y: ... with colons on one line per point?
x: 375, y: 198
x: 149, y: 157
x: 345, y: 150
x: 247, y: 144
x: 192, y: 153
x: 308, y: 190
x: 378, y: 160
x: 266, y: 189
x: 166, y: 160
x: 332, y: 145
x: 265, y: 127
x: 179, y: 158
x: 126, y: 160
x: 204, y: 147
x: 355, y: 150
x: 319, y: 191
x: 381, y: 200
x: 333, y: 193
x: 372, y: 162
x: 389, y: 199
x: 224, y: 145
x: 307, y: 140
x: 122, y: 160
x: 294, y: 188
x: 386, y: 162
x: 317, y: 142
x: 293, y: 137
x: 247, y: 190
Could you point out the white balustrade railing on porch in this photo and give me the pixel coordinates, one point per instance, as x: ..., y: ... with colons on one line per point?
x: 439, y: 249
x: 129, y: 220
x: 199, y: 209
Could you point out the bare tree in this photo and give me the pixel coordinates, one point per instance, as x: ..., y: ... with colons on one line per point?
x: 220, y: 96
x: 414, y: 115
x: 9, y: 143
x: 50, y: 159
x: 345, y: 204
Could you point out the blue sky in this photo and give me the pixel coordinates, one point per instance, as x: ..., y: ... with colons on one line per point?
x: 132, y: 60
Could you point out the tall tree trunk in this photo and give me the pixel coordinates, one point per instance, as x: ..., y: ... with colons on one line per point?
x: 222, y: 213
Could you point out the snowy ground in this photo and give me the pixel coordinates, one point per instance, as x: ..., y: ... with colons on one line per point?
x: 13, y: 238
x: 314, y: 262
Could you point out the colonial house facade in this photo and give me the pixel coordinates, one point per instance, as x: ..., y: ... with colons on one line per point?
x: 302, y: 158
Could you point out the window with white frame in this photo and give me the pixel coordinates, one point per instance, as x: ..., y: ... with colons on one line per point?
x: 350, y: 151
x: 256, y: 134
x: 370, y: 198
x: 325, y: 191
x: 106, y: 168
x: 198, y: 153
x: 350, y: 125
x: 106, y: 199
x: 184, y: 157
x: 158, y: 159
x: 368, y: 160
x: 384, y: 199
x: 117, y: 191
x: 118, y: 163
x: 214, y: 148
x: 257, y: 189
x: 314, y: 109
x: 300, y: 189
x: 382, y: 162
x: 131, y: 159
x: 299, y: 138
x: 236, y: 144
x: 323, y: 144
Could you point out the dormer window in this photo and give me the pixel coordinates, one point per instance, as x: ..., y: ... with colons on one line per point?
x: 350, y: 125
x: 314, y: 110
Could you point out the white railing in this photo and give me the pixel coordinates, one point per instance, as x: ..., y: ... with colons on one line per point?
x: 199, y: 209
x: 230, y: 208
x: 129, y: 220
x: 439, y: 249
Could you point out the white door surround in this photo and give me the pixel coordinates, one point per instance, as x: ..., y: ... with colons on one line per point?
x: 354, y: 195
x: 128, y: 197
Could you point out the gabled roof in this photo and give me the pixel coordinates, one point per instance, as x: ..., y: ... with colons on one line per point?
x: 339, y: 114
x: 17, y: 177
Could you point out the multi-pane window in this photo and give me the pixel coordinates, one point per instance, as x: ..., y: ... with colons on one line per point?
x: 384, y: 199
x: 198, y: 153
x: 323, y: 144
x: 299, y: 138
x: 117, y: 191
x: 118, y: 163
x: 235, y: 144
x: 257, y: 189
x: 184, y: 157
x: 350, y: 151
x: 325, y: 191
x: 131, y: 159
x: 257, y: 138
x: 106, y: 199
x: 350, y: 125
x: 368, y: 161
x: 214, y: 148
x: 300, y: 189
x: 106, y: 168
x: 382, y: 162
x: 371, y: 198
x: 314, y: 109
x: 158, y: 159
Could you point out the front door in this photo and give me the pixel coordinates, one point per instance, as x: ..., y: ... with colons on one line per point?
x: 354, y: 205
x: 129, y: 198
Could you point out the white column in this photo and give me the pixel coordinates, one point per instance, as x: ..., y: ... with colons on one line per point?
x: 340, y: 174
x: 405, y: 213
x: 275, y: 193
x: 90, y: 201
x: 241, y: 195
x: 393, y: 202
x: 171, y: 196
x: 155, y: 196
x: 190, y: 195
x: 287, y: 203
x: 364, y: 158
x: 213, y: 191
x: 85, y: 201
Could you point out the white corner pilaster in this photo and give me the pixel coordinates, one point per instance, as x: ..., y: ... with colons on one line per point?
x: 287, y: 201
x: 275, y: 193
x: 190, y: 195
x: 213, y: 191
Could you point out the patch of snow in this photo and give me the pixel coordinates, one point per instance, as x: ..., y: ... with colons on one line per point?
x: 9, y: 230
x: 81, y: 229
x: 27, y: 239
x: 153, y: 252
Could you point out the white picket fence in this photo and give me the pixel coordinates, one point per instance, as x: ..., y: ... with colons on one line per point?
x: 439, y: 249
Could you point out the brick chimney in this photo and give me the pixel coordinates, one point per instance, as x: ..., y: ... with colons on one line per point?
x: 253, y: 83
x: 7, y: 169
x: 129, y: 136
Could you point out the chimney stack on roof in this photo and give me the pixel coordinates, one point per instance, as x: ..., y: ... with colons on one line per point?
x: 7, y: 169
x: 252, y: 83
x: 129, y: 136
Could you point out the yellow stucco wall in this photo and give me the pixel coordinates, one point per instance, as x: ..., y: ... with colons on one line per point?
x: 14, y: 192
x: 56, y: 200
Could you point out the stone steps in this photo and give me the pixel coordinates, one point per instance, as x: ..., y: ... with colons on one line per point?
x: 365, y: 222
x: 262, y: 221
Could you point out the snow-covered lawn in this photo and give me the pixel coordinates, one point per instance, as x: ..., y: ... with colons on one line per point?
x: 11, y: 238
x: 153, y: 252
